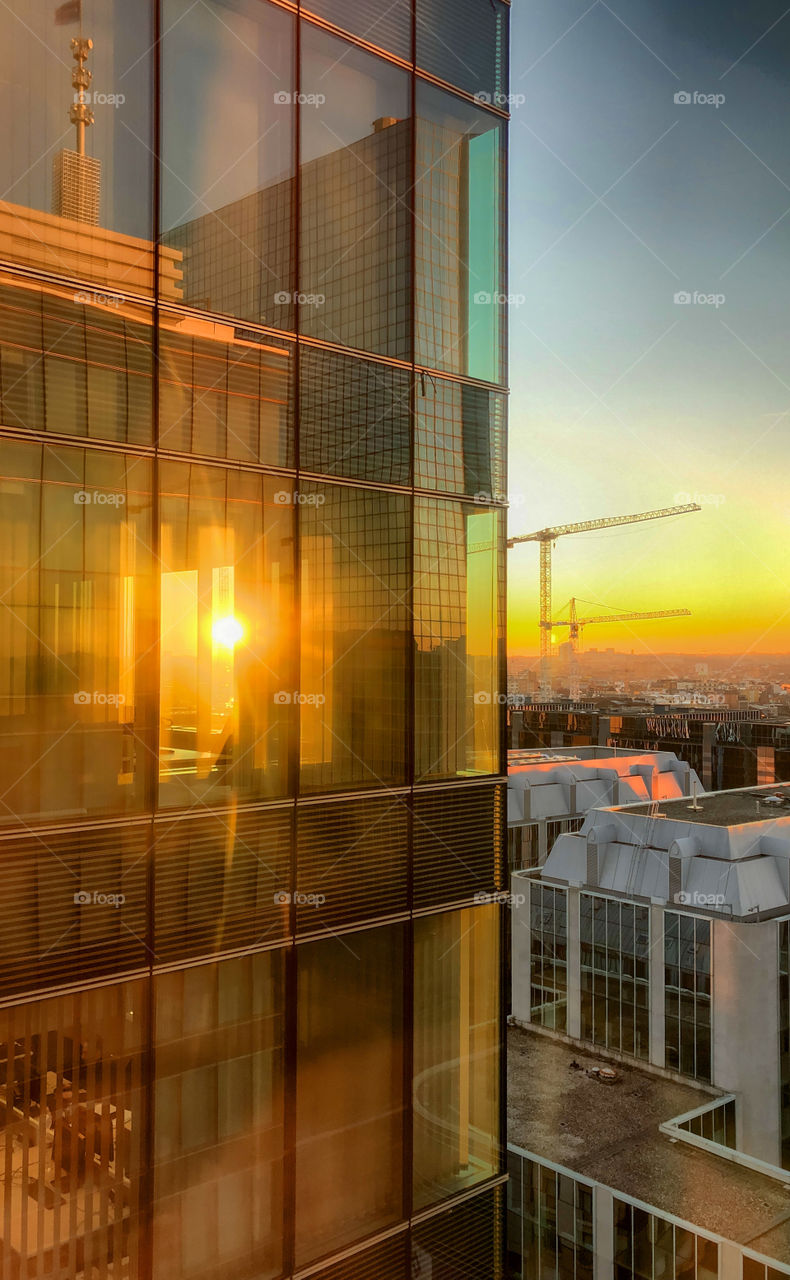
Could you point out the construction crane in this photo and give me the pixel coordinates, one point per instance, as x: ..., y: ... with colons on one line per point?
x: 547, y: 538
x: 577, y: 625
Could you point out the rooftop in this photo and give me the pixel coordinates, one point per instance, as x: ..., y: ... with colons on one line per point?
x: 609, y: 1133
x: 728, y: 808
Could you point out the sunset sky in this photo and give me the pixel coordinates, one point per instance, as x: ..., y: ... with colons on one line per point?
x: 622, y: 399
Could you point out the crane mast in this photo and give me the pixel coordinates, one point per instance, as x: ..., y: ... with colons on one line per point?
x: 547, y: 537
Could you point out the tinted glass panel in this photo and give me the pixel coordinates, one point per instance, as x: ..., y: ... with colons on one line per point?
x: 76, y: 363
x: 354, y: 273
x: 227, y: 198
x: 354, y: 417
x: 75, y: 702
x: 459, y: 439
x: 466, y: 43
x: 388, y: 26
x: 459, y: 306
x: 458, y: 627
x: 65, y: 203
x: 219, y: 1120
x: 349, y: 1092
x: 227, y: 678
x: 354, y: 546
x: 229, y: 397
x: 456, y: 1011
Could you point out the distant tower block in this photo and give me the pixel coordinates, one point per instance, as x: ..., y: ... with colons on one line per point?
x: 76, y: 187
x: 76, y: 177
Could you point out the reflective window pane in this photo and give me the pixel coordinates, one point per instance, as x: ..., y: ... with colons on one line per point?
x: 355, y: 265
x: 388, y: 26
x: 456, y: 1012
x: 227, y: 634
x: 459, y: 251
x: 77, y: 363
x: 349, y: 1090
x: 458, y: 634
x: 354, y: 417
x: 219, y: 1120
x: 75, y: 526
x: 459, y: 444
x: 228, y: 397
x: 465, y: 42
x: 228, y: 136
x: 79, y: 209
x: 71, y: 1095
x: 354, y: 546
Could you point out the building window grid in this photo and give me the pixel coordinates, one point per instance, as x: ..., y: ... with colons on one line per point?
x: 615, y: 974
x: 687, y: 981
x: 652, y: 1247
x: 550, y: 1222
x: 549, y: 956
x: 757, y: 1269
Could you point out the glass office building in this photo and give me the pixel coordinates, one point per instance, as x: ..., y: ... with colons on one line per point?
x: 252, y: 408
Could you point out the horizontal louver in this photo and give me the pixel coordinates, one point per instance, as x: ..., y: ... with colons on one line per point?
x: 463, y: 1244
x: 457, y: 845
x: 73, y: 906
x: 385, y: 1261
x: 388, y: 25
x: 218, y: 880
x: 352, y: 862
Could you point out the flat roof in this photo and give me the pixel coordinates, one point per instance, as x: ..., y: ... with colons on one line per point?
x: 726, y: 808
x: 609, y: 1133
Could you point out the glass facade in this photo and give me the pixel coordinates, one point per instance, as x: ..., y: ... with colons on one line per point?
x: 756, y: 1269
x: 550, y: 1227
x: 251, y: 638
x: 549, y: 961
x: 651, y: 1247
x: 615, y: 974
x: 687, y: 978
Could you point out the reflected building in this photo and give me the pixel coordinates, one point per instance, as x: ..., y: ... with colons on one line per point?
x: 251, y: 644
